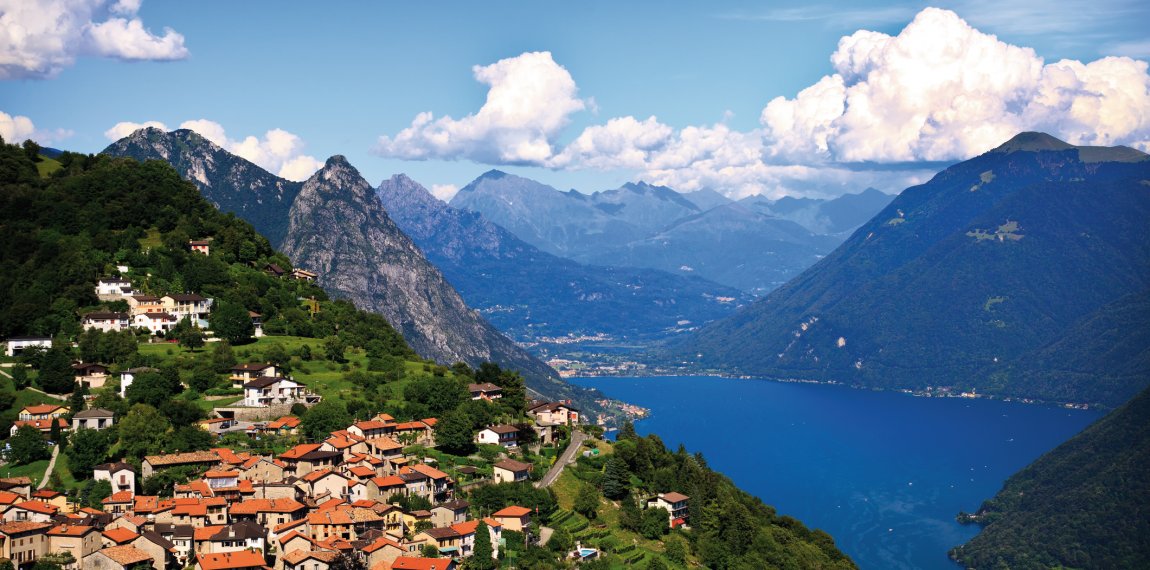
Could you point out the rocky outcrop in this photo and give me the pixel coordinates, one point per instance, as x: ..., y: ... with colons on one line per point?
x: 338, y: 228
x: 231, y: 183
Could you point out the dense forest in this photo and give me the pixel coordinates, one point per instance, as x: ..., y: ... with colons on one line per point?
x: 1086, y: 504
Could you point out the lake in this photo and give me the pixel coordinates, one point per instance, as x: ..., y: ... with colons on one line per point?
x: 884, y: 473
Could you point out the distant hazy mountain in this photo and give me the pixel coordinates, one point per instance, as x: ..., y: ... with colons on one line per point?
x: 754, y: 245
x: 706, y: 199
x: 729, y: 244
x: 835, y: 216
x: 232, y: 183
x: 975, y: 279
x: 570, y: 223
x: 334, y: 224
x: 1083, y: 505
x: 530, y: 293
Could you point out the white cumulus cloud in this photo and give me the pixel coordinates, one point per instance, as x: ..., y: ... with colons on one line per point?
x: 444, y: 192
x: 15, y: 129
x: 278, y: 151
x: 530, y: 100
x: 942, y: 90
x: 39, y: 38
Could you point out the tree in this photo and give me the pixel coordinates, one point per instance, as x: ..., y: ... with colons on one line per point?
x: 616, y: 479
x: 656, y: 563
x: 346, y: 561
x: 676, y: 550
x: 430, y: 551
x: 483, y: 555
x: 76, y: 402
x: 203, y: 379
x: 143, y: 431
x: 324, y: 418
x: 454, y: 433
x: 155, y: 388
x: 231, y: 322
x: 561, y: 540
x: 333, y: 348
x: 223, y: 359
x: 188, y: 438
x: 88, y: 449
x: 56, y: 374
x: 27, y: 445
x: 191, y: 338
x: 630, y: 517
x: 587, y: 502
x: 654, y: 523
x: 19, y: 374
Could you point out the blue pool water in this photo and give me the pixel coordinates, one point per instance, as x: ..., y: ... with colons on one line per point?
x: 884, y: 473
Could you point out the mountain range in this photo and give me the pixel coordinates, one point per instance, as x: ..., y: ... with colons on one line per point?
x: 747, y: 245
x: 529, y: 293
x: 335, y: 225
x: 1021, y: 272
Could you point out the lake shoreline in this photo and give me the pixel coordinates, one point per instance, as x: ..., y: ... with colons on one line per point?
x: 884, y: 476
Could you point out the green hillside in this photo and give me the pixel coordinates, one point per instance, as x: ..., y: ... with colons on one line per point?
x: 1086, y: 504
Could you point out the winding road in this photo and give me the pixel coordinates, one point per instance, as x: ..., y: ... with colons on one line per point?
x: 577, y: 439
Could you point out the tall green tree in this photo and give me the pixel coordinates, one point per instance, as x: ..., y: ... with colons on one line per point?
x: 19, y: 374
x: 191, y: 338
x: 223, y: 358
x: 454, y: 433
x: 587, y: 502
x: 27, y: 445
x: 482, y: 557
x: 616, y: 479
x: 231, y: 322
x: 88, y: 449
x: 56, y: 374
x: 324, y: 418
x: 143, y: 431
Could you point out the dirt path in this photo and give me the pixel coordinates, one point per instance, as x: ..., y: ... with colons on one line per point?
x: 51, y: 466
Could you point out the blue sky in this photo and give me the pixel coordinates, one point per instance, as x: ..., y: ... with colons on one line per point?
x: 742, y: 97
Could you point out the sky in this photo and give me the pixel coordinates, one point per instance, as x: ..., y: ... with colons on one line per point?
x: 773, y: 98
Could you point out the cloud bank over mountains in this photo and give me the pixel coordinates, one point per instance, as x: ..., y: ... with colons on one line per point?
x: 39, y: 38
x: 278, y: 151
x: 940, y: 90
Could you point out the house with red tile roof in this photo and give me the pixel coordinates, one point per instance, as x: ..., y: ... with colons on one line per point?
x: 514, y: 518
x: 268, y: 512
x: 77, y: 540
x: 23, y: 542
x: 414, y: 563
x: 36, y: 511
x: 241, y: 560
x: 116, y: 557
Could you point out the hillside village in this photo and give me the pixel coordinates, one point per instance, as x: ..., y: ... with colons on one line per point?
x: 178, y: 395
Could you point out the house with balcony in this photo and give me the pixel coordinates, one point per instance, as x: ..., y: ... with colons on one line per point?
x: 501, y: 435
x: 106, y: 322
x: 95, y: 418
x: 122, y: 476
x: 268, y: 391
x: 675, y: 503
x: 188, y: 305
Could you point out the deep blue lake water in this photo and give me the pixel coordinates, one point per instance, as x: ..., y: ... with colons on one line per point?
x: 884, y: 473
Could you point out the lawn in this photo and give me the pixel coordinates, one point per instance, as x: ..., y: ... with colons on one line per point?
x: 34, y: 470
x: 47, y: 166
x: 323, y: 377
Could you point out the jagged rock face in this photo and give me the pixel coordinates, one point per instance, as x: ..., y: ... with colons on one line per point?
x: 231, y: 183
x: 338, y: 228
x: 529, y: 293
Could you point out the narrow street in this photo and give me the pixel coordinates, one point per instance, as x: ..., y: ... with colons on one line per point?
x: 577, y: 439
